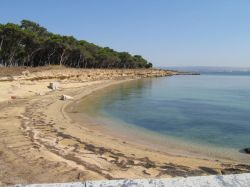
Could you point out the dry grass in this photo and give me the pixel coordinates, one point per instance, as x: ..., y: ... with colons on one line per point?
x: 12, y: 71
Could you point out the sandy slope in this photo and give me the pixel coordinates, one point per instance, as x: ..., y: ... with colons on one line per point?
x: 40, y: 143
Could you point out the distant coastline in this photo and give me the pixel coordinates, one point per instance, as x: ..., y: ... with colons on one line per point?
x: 211, y: 70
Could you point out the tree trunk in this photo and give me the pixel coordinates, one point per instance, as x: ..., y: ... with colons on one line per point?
x: 86, y: 63
x: 78, y: 62
x: 1, y: 44
x: 30, y: 56
x: 11, y: 57
x: 50, y: 56
x: 13, y: 52
x: 62, y: 56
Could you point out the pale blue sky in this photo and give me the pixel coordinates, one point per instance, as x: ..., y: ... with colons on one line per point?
x: 176, y: 32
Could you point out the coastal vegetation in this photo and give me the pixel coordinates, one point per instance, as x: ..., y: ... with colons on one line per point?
x: 29, y: 44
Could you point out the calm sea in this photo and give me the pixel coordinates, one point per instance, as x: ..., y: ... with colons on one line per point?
x: 211, y: 110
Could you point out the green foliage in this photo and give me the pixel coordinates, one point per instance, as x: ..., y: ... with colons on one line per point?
x: 29, y: 44
x: 34, y: 27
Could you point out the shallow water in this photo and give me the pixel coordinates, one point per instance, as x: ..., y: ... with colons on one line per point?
x: 206, y: 110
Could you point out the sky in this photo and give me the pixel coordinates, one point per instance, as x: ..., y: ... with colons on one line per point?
x: 165, y: 32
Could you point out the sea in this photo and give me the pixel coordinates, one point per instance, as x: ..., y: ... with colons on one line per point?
x: 207, y: 114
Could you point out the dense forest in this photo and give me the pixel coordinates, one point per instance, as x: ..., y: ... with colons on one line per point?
x: 30, y: 44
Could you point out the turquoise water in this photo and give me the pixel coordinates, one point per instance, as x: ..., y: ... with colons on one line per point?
x: 207, y: 109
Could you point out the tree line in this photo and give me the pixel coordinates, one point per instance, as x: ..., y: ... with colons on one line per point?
x: 29, y: 44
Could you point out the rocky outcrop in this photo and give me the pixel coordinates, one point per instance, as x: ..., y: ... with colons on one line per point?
x: 247, y: 150
x: 54, y: 85
x: 66, y: 97
x: 91, y: 74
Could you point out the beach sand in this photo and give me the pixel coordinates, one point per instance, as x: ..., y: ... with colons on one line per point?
x: 39, y: 142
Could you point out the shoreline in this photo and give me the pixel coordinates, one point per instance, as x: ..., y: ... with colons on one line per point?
x: 40, y: 143
x: 145, y: 138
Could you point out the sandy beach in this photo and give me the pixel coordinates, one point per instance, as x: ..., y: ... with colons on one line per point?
x: 39, y: 142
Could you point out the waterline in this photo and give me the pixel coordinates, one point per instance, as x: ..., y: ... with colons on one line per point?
x: 178, y: 113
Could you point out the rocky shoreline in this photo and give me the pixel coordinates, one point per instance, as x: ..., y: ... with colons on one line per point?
x: 86, y: 74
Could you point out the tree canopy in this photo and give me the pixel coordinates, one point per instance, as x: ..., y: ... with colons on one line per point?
x: 29, y: 44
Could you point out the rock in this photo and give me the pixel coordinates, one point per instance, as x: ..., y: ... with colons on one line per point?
x: 209, y: 170
x: 54, y: 85
x: 5, y: 78
x: 13, y: 97
x: 66, y: 97
x: 26, y: 73
x: 13, y: 78
x: 247, y: 150
x: 41, y: 93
